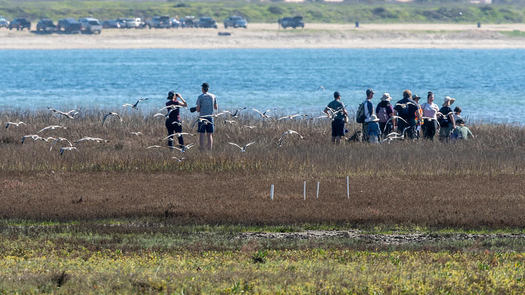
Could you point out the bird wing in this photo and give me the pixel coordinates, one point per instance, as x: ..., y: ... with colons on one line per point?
x: 258, y: 112
x: 248, y: 144
x: 234, y: 144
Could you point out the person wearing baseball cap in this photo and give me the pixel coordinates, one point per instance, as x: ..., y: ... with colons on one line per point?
x: 173, y: 122
x: 336, y: 110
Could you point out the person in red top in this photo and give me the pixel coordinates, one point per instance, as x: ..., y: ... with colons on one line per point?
x: 173, y: 121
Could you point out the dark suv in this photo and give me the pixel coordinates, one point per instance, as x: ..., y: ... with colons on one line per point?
x: 159, y: 22
x: 69, y: 26
x: 291, y: 22
x: 46, y: 25
x: 207, y: 22
x: 20, y: 24
x: 236, y: 22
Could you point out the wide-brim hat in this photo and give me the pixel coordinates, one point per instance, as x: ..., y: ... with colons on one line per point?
x: 374, y: 118
x: 447, y: 99
x: 386, y: 97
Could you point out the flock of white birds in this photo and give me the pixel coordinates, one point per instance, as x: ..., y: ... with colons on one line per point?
x: 71, y: 145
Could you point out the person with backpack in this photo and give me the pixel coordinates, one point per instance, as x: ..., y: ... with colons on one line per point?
x: 461, y: 132
x: 365, y: 111
x: 336, y: 110
x: 430, y: 110
x: 374, y: 134
x: 419, y: 115
x: 385, y: 114
x: 406, y: 109
x: 446, y: 119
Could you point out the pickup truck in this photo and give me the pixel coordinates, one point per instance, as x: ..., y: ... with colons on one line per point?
x: 46, y: 25
x: 291, y: 22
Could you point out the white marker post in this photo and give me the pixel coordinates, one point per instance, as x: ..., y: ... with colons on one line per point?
x: 271, y: 192
x: 304, y: 190
x: 317, y: 192
x: 348, y: 187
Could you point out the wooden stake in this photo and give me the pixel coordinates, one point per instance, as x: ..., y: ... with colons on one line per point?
x: 317, y: 193
x: 348, y: 187
x: 271, y: 192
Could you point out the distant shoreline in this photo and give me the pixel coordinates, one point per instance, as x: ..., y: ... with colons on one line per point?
x: 266, y: 36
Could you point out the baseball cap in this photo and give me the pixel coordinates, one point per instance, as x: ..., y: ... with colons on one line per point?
x: 369, y: 90
x: 171, y: 94
x: 205, y: 85
x: 336, y: 94
x: 414, y: 97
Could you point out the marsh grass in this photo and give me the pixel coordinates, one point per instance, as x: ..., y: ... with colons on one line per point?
x: 497, y: 149
x: 472, y: 184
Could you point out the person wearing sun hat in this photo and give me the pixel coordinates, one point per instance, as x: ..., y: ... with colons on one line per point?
x: 446, y: 119
x: 385, y: 112
x: 374, y: 133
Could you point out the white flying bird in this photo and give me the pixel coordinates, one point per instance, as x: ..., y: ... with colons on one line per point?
x: 184, y: 148
x: 154, y: 147
x: 17, y: 124
x: 170, y: 107
x: 57, y: 139
x: 262, y: 114
x: 67, y: 148
x: 87, y: 138
x: 242, y: 148
x: 230, y: 122
x: 178, y: 159
x: 110, y: 114
x: 138, y: 133
x: 290, y: 117
x: 34, y: 137
x: 178, y: 135
x: 249, y: 126
x: 52, y: 127
x: 71, y: 114
x: 135, y: 105
x: 286, y: 133
x: 158, y: 115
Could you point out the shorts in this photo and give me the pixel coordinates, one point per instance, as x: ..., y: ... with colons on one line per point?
x: 206, y: 125
x: 338, y: 128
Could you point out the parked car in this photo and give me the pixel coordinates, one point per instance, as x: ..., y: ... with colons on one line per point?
x: 20, y: 24
x: 111, y: 24
x: 159, y: 22
x: 291, y: 22
x: 188, y: 22
x: 69, y: 26
x: 3, y: 22
x: 207, y: 22
x: 90, y: 25
x: 236, y: 22
x: 46, y: 25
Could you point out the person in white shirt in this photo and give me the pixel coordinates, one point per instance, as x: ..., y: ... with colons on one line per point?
x: 430, y: 110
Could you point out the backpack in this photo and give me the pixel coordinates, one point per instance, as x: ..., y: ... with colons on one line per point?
x: 383, y: 115
x: 360, y: 115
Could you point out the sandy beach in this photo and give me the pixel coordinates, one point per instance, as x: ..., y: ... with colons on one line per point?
x: 453, y: 36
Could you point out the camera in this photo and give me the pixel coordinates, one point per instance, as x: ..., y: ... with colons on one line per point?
x: 193, y: 109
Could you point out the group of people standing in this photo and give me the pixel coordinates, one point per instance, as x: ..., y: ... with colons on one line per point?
x: 407, y: 118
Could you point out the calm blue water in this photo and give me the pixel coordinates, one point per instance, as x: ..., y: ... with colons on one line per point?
x: 486, y: 83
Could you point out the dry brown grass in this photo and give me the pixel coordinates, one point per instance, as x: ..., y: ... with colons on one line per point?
x: 468, y: 184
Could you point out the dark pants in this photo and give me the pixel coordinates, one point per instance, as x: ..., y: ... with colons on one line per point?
x: 429, y: 129
x: 172, y: 129
x: 385, y: 129
x: 409, y: 130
